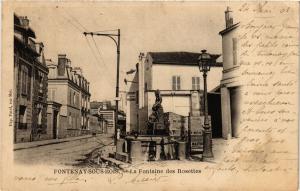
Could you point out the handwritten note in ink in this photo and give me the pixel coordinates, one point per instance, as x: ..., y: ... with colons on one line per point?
x: 266, y: 148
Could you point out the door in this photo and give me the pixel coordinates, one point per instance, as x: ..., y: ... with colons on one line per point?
x: 55, y: 113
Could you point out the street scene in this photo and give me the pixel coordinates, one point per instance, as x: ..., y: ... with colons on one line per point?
x: 93, y: 89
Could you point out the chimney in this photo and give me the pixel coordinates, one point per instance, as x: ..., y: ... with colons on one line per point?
x: 141, y: 56
x: 78, y: 70
x: 39, y: 46
x: 62, y: 63
x: 69, y: 62
x: 24, y: 22
x: 228, y: 17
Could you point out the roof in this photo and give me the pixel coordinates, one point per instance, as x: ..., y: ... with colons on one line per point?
x: 18, y: 26
x: 179, y: 58
x: 217, y: 89
x: 95, y: 105
x: 228, y: 29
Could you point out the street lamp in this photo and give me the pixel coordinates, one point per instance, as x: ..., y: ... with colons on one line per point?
x: 204, y: 62
x: 116, y: 39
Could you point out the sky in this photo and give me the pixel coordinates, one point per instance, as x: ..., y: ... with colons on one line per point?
x: 145, y: 27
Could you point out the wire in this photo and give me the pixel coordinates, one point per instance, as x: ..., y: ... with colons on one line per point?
x: 76, y: 20
x: 70, y: 22
x: 99, y: 52
x: 76, y: 24
x: 96, y: 59
x: 107, y: 30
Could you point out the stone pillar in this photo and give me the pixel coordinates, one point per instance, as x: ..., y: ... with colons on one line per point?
x: 120, y: 143
x: 235, y: 105
x: 158, y: 150
x: 181, y: 150
x: 136, y: 151
x: 226, y: 113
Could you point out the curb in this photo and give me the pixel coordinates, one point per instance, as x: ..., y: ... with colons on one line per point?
x: 51, y: 142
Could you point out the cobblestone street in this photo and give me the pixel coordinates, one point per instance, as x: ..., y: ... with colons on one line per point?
x: 64, y: 153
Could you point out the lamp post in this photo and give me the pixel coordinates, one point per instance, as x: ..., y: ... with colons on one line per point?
x: 204, y: 62
x: 117, y: 42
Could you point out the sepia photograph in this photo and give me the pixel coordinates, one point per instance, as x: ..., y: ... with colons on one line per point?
x: 138, y: 103
x: 141, y: 95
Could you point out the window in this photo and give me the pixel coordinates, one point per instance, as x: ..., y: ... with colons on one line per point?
x: 137, y: 97
x: 40, y: 117
x: 24, y: 80
x: 195, y: 83
x: 23, y: 117
x: 70, y: 118
x: 176, y: 83
x: 234, y: 50
x: 41, y: 79
x: 53, y: 94
x: 70, y: 97
x: 74, y: 98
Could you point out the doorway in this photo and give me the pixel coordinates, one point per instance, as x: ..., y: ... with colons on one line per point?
x: 55, y: 114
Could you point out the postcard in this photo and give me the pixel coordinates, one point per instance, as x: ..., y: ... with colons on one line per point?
x: 149, y: 95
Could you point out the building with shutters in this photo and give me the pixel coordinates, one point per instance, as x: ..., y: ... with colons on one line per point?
x: 95, y: 111
x: 68, y: 87
x: 30, y: 84
x: 230, y: 83
x: 177, y: 76
x: 109, y: 116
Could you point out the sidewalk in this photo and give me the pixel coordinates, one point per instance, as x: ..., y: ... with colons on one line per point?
x: 33, y: 144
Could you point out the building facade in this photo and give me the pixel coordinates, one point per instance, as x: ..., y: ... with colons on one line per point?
x: 30, y: 84
x: 106, y: 113
x: 95, y: 111
x: 230, y: 83
x: 69, y: 88
x: 177, y: 76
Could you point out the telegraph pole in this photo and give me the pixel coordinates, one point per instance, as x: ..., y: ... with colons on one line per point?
x: 117, y: 86
x: 117, y: 42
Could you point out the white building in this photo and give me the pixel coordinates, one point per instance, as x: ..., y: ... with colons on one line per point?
x: 177, y: 76
x: 230, y: 84
x: 68, y: 87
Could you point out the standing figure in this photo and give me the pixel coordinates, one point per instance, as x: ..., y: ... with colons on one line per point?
x: 156, y: 122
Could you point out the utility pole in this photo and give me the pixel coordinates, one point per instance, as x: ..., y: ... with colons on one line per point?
x: 117, y: 42
x: 117, y: 86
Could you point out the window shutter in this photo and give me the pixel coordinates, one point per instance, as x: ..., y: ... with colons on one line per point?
x: 198, y: 83
x: 178, y: 82
x: 70, y: 97
x: 193, y: 83
x: 28, y: 81
x: 174, y: 83
x: 23, y: 80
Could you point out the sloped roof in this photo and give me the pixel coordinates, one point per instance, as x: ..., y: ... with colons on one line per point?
x: 18, y: 26
x: 228, y: 29
x: 179, y: 58
x: 95, y: 105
